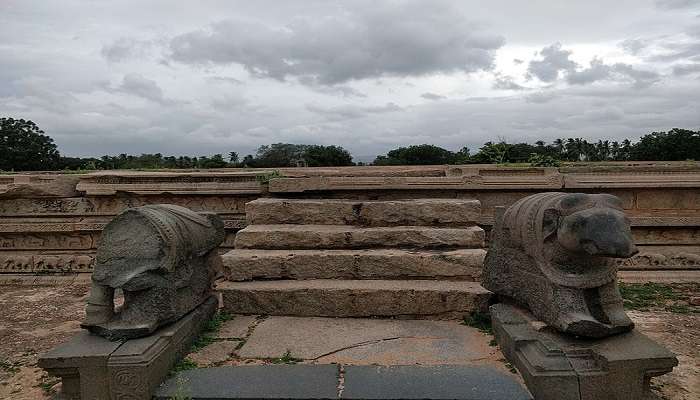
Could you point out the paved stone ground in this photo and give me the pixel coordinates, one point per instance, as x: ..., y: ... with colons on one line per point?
x: 35, y: 319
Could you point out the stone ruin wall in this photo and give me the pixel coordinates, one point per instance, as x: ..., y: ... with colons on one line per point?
x: 51, y: 223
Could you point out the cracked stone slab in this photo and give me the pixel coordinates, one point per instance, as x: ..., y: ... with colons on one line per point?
x: 237, y: 328
x: 361, y: 341
x: 214, y: 353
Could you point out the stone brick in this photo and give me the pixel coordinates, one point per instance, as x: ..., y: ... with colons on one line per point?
x: 432, y: 212
x: 348, y: 237
x: 244, y: 264
x: 355, y: 298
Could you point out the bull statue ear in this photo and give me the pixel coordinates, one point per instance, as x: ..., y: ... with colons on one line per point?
x: 550, y: 222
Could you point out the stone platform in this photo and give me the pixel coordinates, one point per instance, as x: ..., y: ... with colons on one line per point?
x: 92, y: 367
x: 557, y: 366
x: 348, y: 341
x: 334, y: 382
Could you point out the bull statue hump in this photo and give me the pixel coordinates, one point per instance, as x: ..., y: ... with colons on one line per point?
x: 554, y: 253
x: 164, y: 258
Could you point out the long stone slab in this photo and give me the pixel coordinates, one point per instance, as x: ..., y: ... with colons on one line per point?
x: 369, y: 341
x: 356, y: 298
x: 353, y: 237
x: 92, y: 367
x: 556, y: 366
x: 434, y: 382
x: 253, y: 382
x: 358, y: 382
x: 248, y: 264
x: 425, y: 212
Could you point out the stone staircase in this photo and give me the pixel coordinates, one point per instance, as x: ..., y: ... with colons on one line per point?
x: 349, y: 258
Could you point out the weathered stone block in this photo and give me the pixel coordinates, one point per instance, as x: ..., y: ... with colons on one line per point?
x: 245, y: 264
x: 350, y: 237
x: 557, y: 366
x: 423, y: 212
x: 355, y: 298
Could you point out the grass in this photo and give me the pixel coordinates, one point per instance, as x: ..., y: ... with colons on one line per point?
x: 205, y: 338
x: 287, y: 358
x: 480, y: 321
x: 181, y: 392
x: 183, y: 365
x: 653, y: 296
x: 210, y: 328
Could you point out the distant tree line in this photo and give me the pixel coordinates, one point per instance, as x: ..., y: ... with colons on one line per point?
x: 25, y: 147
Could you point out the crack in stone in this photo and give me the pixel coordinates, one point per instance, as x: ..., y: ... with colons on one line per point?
x: 370, y: 342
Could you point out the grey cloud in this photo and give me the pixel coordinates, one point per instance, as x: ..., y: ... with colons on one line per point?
x: 517, y: 61
x: 352, y: 111
x: 619, y: 72
x: 361, y: 40
x: 676, y: 4
x: 597, y: 71
x: 553, y: 61
x: 432, y: 96
x: 633, y: 46
x: 138, y: 85
x: 125, y: 48
x: 686, y: 69
x: 224, y: 79
x: 507, y: 83
x: 639, y: 77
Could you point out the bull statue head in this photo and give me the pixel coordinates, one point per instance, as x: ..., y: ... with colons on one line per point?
x: 555, y: 254
x: 592, y: 224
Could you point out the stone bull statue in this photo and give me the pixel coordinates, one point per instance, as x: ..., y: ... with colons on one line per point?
x: 555, y: 254
x: 164, y: 258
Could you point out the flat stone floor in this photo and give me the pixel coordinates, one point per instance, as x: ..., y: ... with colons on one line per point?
x: 34, y: 319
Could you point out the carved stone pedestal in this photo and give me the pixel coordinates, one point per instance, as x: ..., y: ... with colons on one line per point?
x: 92, y: 367
x: 557, y: 366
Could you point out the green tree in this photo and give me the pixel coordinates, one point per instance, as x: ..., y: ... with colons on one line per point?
x: 233, y: 157
x: 492, y: 153
x: 278, y: 155
x: 326, y: 156
x: 25, y: 147
x: 674, y: 145
x: 423, y: 154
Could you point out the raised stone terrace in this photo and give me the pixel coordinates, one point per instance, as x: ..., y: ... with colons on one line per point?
x: 51, y: 223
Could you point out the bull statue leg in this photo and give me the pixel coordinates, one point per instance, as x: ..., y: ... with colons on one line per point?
x: 100, y: 307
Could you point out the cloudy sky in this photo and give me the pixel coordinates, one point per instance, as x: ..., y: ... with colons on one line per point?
x: 204, y: 77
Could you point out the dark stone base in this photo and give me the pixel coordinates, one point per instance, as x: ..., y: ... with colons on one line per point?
x: 93, y: 367
x: 454, y: 382
x: 557, y: 366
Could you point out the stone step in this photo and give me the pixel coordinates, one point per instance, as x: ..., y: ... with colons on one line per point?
x: 418, y: 299
x: 424, y: 212
x: 354, y: 237
x: 248, y: 264
x: 297, y: 382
